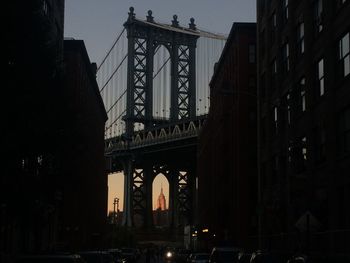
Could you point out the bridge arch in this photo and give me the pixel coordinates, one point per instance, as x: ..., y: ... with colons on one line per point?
x: 161, y: 82
x: 160, y: 197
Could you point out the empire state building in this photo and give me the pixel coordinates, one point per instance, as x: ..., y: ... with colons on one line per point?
x: 161, y: 203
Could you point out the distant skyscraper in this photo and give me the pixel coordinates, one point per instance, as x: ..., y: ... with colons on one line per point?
x: 161, y: 204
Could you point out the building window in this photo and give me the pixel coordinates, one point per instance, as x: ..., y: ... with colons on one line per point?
x: 45, y: 8
x: 300, y: 38
x: 275, y: 119
x: 285, y: 10
x: 299, y: 155
x: 252, y: 54
x: 318, y: 9
x: 274, y: 67
x: 288, y: 102
x: 303, y: 153
x: 320, y: 77
x: 343, y: 131
x: 290, y: 153
x: 302, y: 95
x: 285, y: 56
x: 344, y: 55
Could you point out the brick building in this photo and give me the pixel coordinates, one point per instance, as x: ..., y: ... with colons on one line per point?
x: 84, y: 204
x: 227, y: 145
x: 303, y: 86
x: 47, y: 132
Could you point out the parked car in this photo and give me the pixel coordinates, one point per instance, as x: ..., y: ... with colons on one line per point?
x: 49, y: 259
x: 199, y: 258
x: 224, y: 255
x: 97, y: 257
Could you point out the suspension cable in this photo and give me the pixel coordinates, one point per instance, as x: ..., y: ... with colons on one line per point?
x: 115, y: 71
x: 115, y: 42
x: 120, y: 115
x: 161, y: 67
x: 115, y: 103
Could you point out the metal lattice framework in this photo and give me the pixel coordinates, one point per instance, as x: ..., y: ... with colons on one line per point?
x: 143, y: 41
x: 136, y: 135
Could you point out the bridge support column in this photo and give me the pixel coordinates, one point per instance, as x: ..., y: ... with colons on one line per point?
x: 128, y: 178
x: 148, y: 219
x: 173, y: 205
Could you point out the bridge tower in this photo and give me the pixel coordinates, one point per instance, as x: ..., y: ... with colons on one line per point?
x: 143, y: 39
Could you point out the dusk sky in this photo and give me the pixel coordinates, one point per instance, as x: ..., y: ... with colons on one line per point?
x: 99, y: 22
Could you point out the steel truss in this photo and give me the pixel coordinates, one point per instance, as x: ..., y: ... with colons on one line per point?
x: 144, y: 39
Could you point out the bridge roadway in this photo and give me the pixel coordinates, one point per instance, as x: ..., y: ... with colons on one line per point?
x: 174, y: 142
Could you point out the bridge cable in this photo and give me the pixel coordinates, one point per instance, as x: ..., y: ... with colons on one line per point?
x: 115, y: 42
x: 115, y: 103
x: 120, y: 115
x: 115, y: 71
x: 155, y: 75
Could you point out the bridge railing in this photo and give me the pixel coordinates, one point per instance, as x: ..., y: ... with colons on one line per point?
x: 156, y: 135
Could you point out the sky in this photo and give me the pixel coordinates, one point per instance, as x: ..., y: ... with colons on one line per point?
x: 98, y: 23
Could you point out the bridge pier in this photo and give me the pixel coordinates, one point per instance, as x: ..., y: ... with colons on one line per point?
x: 148, y: 218
x: 173, y: 190
x: 128, y: 178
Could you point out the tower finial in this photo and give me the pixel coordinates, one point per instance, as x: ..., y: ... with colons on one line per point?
x: 175, y: 22
x: 192, y: 25
x: 131, y: 13
x: 149, y: 16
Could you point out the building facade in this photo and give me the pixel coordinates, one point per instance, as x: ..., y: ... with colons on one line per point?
x: 32, y: 68
x: 304, y: 116
x: 227, y: 146
x: 47, y: 133
x: 84, y: 176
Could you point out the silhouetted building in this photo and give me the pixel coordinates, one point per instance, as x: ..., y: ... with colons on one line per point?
x: 32, y: 69
x: 53, y: 135
x: 227, y: 145
x: 83, y: 168
x: 303, y: 84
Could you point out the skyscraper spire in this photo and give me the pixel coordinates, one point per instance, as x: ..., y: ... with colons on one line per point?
x: 161, y: 203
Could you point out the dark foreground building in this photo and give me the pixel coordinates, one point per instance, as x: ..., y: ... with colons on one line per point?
x: 50, y: 149
x: 32, y: 64
x: 84, y: 207
x: 304, y: 146
x: 227, y: 146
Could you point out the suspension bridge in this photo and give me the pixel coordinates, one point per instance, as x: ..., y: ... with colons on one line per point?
x: 154, y: 82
